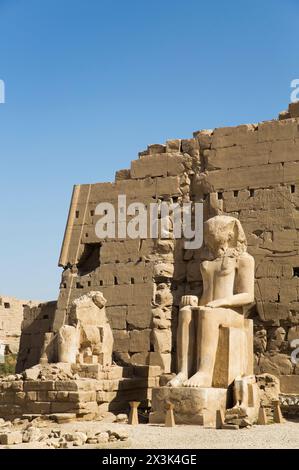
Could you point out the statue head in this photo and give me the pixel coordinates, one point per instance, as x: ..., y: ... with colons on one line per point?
x: 224, y: 235
x: 98, y: 299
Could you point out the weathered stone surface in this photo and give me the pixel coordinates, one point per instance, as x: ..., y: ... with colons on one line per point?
x: 289, y: 384
x: 189, y: 403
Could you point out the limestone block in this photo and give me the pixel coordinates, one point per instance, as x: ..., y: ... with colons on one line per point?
x: 38, y: 385
x: 169, y: 186
x: 173, y: 145
x: 254, y: 177
x: 74, y: 385
x: 189, y: 403
x: 284, y: 151
x: 271, y: 311
x: 139, y: 316
x: 32, y: 396
x: 289, y: 290
x: 38, y: 407
x: 294, y: 109
x: 291, y: 172
x: 121, y: 340
x: 81, y: 396
x: 238, y: 156
x: 277, y: 130
x: 147, y: 371
x: 128, y: 294
x: 162, y: 360
x: 229, y: 136
x: 10, y: 438
x: 139, y: 340
x: 123, y: 251
x: 117, y: 317
x: 289, y: 383
x: 267, y: 289
x: 156, y: 148
x: 166, y: 164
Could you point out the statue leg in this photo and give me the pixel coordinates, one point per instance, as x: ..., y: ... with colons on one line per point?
x: 183, y: 345
x: 207, y: 342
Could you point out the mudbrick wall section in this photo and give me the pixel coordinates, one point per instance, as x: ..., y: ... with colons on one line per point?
x: 250, y: 172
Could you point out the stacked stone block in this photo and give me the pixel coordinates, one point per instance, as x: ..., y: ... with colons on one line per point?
x: 89, y: 391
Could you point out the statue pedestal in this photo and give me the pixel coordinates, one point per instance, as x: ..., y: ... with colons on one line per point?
x: 190, y: 404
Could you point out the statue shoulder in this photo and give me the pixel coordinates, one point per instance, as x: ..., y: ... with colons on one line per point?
x: 245, y: 260
x: 204, y: 266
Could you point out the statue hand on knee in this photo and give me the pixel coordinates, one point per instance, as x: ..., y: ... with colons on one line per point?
x: 189, y: 301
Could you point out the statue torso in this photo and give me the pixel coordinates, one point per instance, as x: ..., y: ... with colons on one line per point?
x: 218, y: 278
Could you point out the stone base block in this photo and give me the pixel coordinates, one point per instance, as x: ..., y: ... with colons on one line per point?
x: 190, y: 404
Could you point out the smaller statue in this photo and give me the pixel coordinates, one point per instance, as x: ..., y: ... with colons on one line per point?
x: 88, y: 332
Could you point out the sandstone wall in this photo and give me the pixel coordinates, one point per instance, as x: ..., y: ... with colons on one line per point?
x: 37, y: 323
x: 11, y: 317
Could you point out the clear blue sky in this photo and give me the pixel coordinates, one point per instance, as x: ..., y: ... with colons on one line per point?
x: 91, y: 83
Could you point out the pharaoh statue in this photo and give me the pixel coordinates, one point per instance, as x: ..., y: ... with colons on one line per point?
x: 228, y: 289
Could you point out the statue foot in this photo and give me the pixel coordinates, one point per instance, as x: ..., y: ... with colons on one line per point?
x: 178, y: 380
x: 240, y: 407
x: 200, y: 379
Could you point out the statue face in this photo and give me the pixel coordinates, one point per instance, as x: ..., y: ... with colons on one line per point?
x: 218, y: 237
x: 222, y: 233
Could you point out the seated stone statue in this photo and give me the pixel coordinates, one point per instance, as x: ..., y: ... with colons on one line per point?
x: 228, y: 286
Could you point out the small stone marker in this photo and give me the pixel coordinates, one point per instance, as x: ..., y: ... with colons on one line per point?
x: 262, y: 418
x: 220, y: 421
x: 169, y: 417
x: 133, y: 417
x: 277, y: 415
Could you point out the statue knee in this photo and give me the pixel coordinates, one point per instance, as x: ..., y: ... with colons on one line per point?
x: 185, y: 315
x: 204, y: 315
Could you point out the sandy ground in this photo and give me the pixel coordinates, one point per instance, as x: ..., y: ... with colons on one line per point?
x: 145, y: 436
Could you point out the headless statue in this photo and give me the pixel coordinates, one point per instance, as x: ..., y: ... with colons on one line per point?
x: 228, y: 287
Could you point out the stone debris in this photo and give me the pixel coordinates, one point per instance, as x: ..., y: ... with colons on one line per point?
x: 121, y: 418
x: 56, y: 438
x: 12, y: 437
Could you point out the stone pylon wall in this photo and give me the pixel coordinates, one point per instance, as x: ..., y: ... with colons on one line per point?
x: 248, y: 171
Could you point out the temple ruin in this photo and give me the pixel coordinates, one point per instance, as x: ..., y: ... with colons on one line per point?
x: 248, y: 172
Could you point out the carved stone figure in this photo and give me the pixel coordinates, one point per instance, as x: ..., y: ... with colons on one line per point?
x: 68, y: 344
x: 228, y: 287
x: 96, y: 338
x: 88, y: 334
